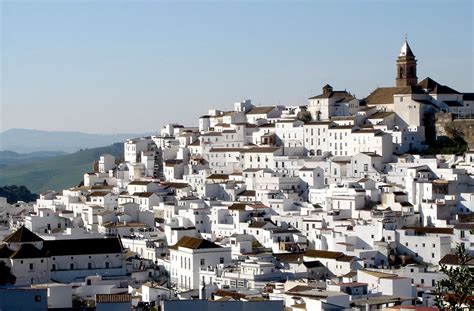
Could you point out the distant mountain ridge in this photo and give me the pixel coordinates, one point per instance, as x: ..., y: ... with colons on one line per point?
x: 27, y: 140
x: 58, y: 172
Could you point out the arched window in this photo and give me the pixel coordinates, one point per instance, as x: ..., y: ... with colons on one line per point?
x: 400, y: 74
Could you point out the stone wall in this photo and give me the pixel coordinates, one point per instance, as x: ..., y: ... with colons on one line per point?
x: 466, y: 127
x: 445, y: 124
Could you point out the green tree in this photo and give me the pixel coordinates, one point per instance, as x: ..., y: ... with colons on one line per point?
x: 6, y: 275
x: 304, y: 116
x: 454, y: 291
x: 15, y: 193
x: 78, y: 302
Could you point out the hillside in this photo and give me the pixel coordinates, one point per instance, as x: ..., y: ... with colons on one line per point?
x: 10, y: 158
x: 56, y: 173
x: 26, y: 140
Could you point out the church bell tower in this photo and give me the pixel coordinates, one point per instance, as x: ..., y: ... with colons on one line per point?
x: 406, y: 67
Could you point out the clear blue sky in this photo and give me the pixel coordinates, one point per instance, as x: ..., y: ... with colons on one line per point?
x: 132, y: 66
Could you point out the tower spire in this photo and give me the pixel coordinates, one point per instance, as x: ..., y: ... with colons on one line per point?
x: 406, y: 66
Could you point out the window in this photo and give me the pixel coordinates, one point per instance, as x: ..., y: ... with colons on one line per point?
x: 107, y: 264
x: 31, y: 267
x: 203, y: 262
x: 221, y: 260
x: 71, y: 266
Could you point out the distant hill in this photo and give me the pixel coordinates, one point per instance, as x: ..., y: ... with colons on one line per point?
x: 10, y: 158
x: 26, y: 141
x: 56, y: 173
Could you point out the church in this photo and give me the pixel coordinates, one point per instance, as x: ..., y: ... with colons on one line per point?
x: 411, y: 100
x: 398, y: 110
x: 34, y: 260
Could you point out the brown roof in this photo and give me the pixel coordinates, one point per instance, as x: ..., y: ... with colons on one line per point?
x: 261, y: 110
x: 380, y: 275
x: 194, y: 243
x: 323, y: 254
x: 28, y: 251
x: 83, y: 246
x: 452, y: 259
x: 434, y: 87
x: 338, y: 95
x: 464, y: 226
x: 226, y: 149
x: 113, y: 298
x: 99, y: 194
x: 384, y: 95
x: 247, y: 193
x: 289, y: 257
x: 430, y: 230
x: 261, y: 150
x: 176, y: 185
x: 237, y: 206
x: 381, y: 114
x: 195, y: 143
x: 22, y: 235
x: 140, y: 182
x: 300, y: 288
x: 143, y: 194
x: 172, y: 162
x: 212, y: 134
x: 267, y: 125
x: 218, y: 176
x: 259, y: 224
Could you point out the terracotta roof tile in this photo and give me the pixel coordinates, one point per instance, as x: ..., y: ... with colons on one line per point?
x: 22, y: 235
x: 194, y: 243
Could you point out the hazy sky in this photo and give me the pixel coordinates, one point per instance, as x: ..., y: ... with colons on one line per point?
x: 132, y: 66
